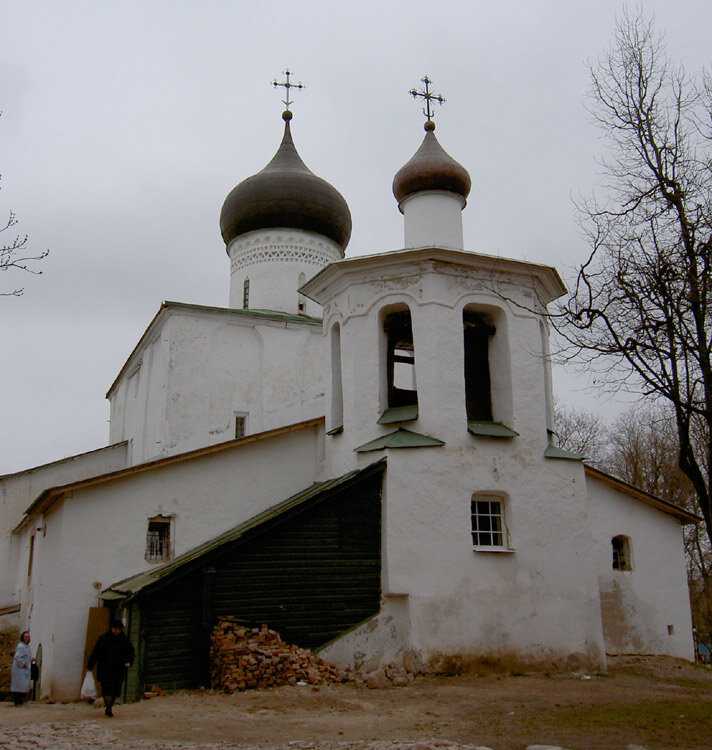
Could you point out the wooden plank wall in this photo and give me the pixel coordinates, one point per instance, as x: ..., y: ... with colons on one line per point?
x: 310, y: 577
x: 313, y: 577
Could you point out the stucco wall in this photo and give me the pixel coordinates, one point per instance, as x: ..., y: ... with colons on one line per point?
x: 19, y: 490
x: 436, y: 295
x: 98, y: 536
x: 204, y: 367
x: 538, y: 602
x: 639, y: 605
x: 277, y: 262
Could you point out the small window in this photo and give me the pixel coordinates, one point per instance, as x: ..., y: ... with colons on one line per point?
x: 301, y: 299
x: 245, y: 294
x: 621, y: 553
x: 478, y: 391
x: 240, y: 425
x: 31, y: 559
x: 337, y: 393
x: 488, y: 526
x: 158, y: 539
x: 402, y: 389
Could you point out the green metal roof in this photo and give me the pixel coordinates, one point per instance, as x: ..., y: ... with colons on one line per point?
x: 399, y: 414
x: 400, y: 438
x: 129, y: 587
x: 553, y: 451
x: 491, y: 429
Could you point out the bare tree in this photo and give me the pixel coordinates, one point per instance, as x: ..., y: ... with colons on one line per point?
x: 15, y: 254
x: 643, y: 451
x: 580, y: 432
x: 641, y: 309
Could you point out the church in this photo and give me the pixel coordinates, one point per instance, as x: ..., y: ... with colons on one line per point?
x: 356, y: 451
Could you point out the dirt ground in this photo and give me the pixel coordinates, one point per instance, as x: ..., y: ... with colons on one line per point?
x: 660, y: 704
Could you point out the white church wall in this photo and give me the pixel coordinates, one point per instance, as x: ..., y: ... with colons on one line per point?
x: 275, y: 262
x: 436, y: 295
x: 207, y: 366
x: 19, y: 490
x: 537, y: 602
x: 433, y: 217
x: 42, y: 594
x: 98, y: 536
x: 645, y: 610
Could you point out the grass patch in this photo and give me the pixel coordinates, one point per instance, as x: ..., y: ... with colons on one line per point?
x: 680, y: 721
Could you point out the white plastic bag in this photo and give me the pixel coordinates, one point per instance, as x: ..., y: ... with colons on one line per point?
x: 88, y: 691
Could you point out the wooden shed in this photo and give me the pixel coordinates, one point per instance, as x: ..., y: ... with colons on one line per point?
x: 309, y: 567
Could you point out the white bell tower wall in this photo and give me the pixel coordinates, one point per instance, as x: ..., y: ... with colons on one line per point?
x: 433, y: 218
x: 267, y: 266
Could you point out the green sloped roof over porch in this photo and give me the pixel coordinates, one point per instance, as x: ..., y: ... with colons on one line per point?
x: 130, y: 587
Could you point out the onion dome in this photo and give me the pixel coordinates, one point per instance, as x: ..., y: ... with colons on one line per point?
x: 431, y: 168
x: 286, y: 193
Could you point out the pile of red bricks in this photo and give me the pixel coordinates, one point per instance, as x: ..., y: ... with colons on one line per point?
x: 242, y: 658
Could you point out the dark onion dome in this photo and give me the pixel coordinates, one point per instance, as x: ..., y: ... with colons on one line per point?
x: 431, y: 168
x: 286, y: 194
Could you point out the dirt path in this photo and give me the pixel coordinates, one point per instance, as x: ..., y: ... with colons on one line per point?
x: 657, y: 703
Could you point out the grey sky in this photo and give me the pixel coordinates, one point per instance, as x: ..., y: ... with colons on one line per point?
x: 125, y: 124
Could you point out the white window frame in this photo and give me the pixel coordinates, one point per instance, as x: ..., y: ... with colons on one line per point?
x: 475, y: 530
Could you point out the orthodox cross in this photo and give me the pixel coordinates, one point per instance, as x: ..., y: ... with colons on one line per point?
x: 428, y: 96
x: 287, y: 85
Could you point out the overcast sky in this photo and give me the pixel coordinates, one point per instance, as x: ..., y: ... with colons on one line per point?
x: 125, y: 124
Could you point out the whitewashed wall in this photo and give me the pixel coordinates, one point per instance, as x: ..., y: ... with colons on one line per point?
x: 277, y: 262
x: 98, y: 536
x: 637, y: 606
x: 202, y: 367
x: 18, y: 491
x: 436, y: 294
x: 538, y: 602
x: 433, y: 217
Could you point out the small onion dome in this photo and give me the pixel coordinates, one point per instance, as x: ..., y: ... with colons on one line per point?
x: 286, y: 194
x: 431, y: 168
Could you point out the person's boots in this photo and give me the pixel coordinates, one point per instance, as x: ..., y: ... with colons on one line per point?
x: 109, y: 702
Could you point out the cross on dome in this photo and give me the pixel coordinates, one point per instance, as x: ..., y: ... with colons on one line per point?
x: 429, y: 97
x: 287, y: 84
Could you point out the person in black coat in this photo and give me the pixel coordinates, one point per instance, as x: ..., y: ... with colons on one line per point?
x: 112, y: 654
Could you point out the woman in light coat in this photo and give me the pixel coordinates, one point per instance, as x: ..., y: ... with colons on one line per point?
x: 21, y: 673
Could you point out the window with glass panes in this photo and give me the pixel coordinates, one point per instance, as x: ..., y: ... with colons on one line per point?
x: 488, y: 529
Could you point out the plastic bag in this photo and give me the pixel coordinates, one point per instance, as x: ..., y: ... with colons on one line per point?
x: 88, y: 691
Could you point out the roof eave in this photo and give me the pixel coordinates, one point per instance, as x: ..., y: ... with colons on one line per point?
x: 168, y: 307
x: 46, y: 498
x: 140, y: 583
x: 665, y: 506
x: 547, y: 276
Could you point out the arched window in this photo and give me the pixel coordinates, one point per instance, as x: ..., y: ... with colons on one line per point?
x: 478, y: 330
x: 245, y: 294
x: 621, y: 553
x: 400, y: 359
x: 337, y: 396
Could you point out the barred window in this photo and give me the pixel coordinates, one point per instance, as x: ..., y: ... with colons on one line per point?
x: 246, y: 294
x: 158, y: 539
x: 488, y: 522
